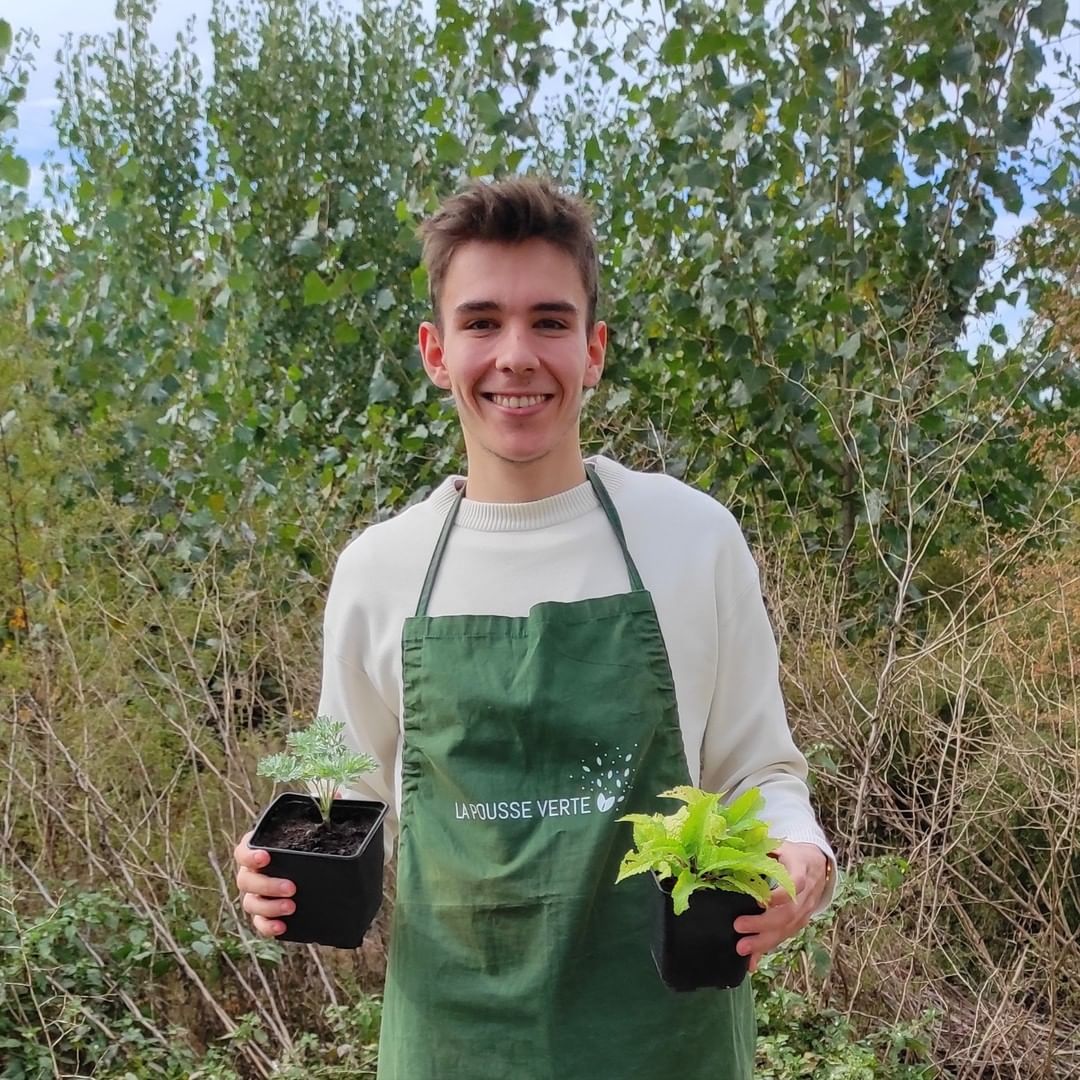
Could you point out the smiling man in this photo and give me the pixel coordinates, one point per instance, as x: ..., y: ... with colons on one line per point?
x: 535, y: 649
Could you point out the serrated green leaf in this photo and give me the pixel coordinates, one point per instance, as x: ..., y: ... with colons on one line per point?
x: 695, y: 830
x: 320, y: 758
x: 681, y: 891
x: 488, y: 108
x: 419, y: 281
x: 364, y: 279
x: 1049, y: 16
x: 14, y: 170
x: 747, y: 805
x: 673, y: 49
x: 181, y: 308
x: 959, y: 61
x: 715, y: 844
x: 450, y: 148
x: 315, y: 289
x: 345, y: 333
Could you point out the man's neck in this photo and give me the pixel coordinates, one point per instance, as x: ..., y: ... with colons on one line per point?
x: 493, y: 480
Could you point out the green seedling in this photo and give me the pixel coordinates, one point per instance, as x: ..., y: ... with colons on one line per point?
x: 319, y: 758
x: 706, y: 844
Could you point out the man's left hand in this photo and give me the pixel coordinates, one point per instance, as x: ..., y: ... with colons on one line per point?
x: 783, y: 918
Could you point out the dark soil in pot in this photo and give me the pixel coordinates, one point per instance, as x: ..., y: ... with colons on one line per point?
x: 696, y: 950
x: 337, y: 867
x: 324, y: 838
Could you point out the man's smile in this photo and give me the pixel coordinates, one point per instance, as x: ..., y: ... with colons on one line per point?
x: 518, y: 402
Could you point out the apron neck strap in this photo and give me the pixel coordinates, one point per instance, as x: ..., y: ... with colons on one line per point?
x: 602, y: 496
x: 616, y: 525
x: 437, y: 554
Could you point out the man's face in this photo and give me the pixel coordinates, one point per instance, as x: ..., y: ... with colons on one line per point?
x: 514, y: 352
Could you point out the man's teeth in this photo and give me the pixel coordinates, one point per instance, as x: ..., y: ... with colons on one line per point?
x: 508, y: 402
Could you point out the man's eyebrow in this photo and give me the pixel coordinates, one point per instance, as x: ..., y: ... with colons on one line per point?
x: 470, y: 307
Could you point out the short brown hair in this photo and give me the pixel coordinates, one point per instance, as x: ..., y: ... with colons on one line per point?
x: 510, y: 212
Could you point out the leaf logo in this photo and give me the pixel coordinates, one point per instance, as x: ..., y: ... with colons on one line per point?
x: 607, y: 777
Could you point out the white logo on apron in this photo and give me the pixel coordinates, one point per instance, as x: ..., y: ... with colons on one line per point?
x: 608, y: 776
x: 603, y: 780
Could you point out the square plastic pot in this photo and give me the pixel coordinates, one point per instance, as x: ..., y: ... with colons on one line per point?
x: 696, y: 950
x: 336, y: 896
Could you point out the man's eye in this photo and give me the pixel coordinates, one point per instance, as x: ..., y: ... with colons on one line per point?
x: 480, y: 324
x: 551, y: 324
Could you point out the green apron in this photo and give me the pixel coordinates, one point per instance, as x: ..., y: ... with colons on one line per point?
x: 514, y: 956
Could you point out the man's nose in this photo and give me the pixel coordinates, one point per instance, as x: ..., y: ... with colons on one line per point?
x: 516, y: 354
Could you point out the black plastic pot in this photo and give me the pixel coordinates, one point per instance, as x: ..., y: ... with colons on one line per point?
x: 336, y: 896
x: 696, y: 950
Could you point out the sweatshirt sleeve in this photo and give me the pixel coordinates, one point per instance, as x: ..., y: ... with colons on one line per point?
x: 349, y: 695
x: 747, y: 741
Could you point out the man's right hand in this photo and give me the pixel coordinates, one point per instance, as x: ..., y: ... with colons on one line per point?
x: 262, y: 897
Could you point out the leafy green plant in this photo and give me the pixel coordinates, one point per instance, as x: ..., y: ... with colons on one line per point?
x: 320, y: 758
x: 707, y: 845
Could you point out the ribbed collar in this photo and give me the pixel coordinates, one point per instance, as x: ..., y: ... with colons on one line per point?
x: 518, y: 517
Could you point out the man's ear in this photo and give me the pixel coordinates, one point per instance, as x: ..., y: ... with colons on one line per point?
x: 431, y: 352
x: 595, y: 350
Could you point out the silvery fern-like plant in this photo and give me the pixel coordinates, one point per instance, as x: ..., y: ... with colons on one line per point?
x: 319, y: 758
x: 706, y: 844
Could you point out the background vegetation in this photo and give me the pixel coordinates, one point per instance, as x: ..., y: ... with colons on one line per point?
x: 208, y: 382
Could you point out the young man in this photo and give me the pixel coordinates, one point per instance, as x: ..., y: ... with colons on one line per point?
x: 532, y: 651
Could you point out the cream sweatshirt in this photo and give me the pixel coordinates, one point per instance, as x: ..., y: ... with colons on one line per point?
x: 503, y: 558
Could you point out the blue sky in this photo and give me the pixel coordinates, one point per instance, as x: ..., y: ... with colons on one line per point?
x: 52, y: 19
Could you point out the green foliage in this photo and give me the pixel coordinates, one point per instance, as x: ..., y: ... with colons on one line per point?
x: 797, y: 221
x: 802, y: 1038
x: 319, y: 757
x: 73, y: 978
x: 14, y: 170
x: 707, y: 844
x: 346, y: 1050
